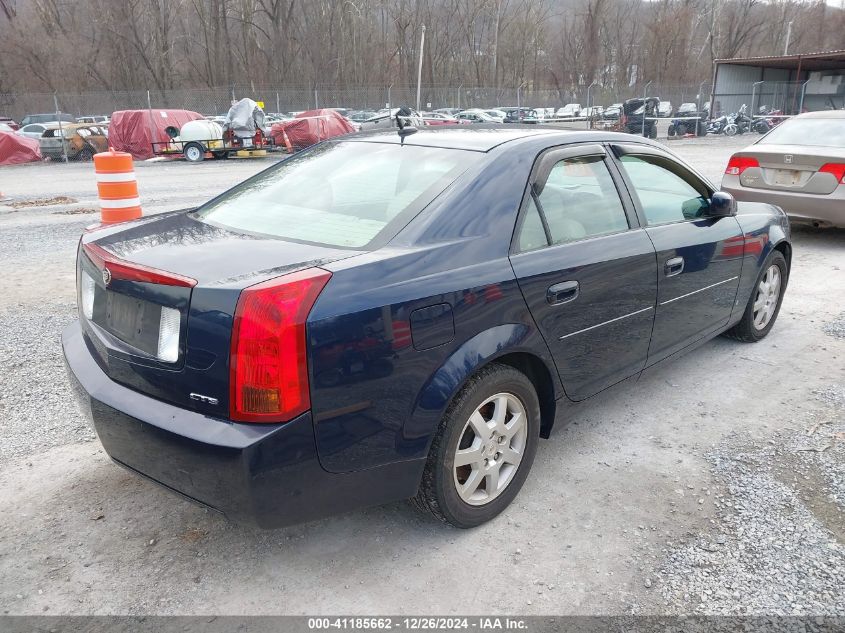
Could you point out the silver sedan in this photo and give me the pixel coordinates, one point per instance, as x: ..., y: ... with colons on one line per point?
x: 799, y: 166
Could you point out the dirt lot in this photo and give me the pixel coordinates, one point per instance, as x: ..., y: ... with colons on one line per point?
x: 714, y: 486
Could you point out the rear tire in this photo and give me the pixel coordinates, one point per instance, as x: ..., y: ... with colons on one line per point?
x: 493, y: 422
x: 765, y: 301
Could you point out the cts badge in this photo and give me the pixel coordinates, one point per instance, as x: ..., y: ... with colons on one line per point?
x: 106, y: 276
x: 201, y: 398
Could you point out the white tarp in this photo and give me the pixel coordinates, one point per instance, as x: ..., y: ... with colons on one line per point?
x: 243, y: 118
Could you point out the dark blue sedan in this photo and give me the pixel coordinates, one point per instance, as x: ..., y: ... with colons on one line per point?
x: 386, y: 317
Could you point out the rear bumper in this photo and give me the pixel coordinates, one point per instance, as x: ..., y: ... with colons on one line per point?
x: 265, y: 475
x: 810, y: 208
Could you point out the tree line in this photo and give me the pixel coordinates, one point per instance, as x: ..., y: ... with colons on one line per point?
x: 86, y: 45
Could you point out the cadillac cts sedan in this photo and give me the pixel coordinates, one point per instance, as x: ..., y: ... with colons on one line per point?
x: 403, y: 315
x: 799, y: 165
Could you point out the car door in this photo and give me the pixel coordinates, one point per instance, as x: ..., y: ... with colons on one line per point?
x: 588, y: 272
x: 698, y: 263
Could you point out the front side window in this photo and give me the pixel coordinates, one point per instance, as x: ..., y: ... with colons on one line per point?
x: 665, y: 195
x: 345, y: 194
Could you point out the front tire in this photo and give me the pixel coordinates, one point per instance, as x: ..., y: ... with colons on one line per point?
x: 763, y: 306
x: 483, y: 449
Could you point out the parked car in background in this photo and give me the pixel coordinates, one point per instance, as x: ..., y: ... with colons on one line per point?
x: 311, y: 341
x: 638, y: 117
x: 80, y: 141
x: 612, y: 112
x: 33, y: 130
x: 49, y: 117
x: 664, y: 109
x: 799, y: 166
x: 9, y: 121
x: 476, y: 116
x: 387, y: 118
x: 359, y: 116
x: 6, y: 128
x: 497, y: 115
x: 515, y: 115
x: 592, y: 112
x: 93, y: 118
x: 569, y: 110
x: 438, y: 118
x: 448, y: 111
x: 538, y: 115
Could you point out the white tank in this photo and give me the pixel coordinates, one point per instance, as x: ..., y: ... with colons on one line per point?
x: 200, y: 130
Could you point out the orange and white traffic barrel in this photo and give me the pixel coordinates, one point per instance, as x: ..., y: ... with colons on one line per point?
x: 117, y: 187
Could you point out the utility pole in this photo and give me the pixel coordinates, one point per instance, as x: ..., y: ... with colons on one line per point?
x: 788, y: 37
x: 419, y: 68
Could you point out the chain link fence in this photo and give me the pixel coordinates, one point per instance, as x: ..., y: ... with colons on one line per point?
x: 216, y: 101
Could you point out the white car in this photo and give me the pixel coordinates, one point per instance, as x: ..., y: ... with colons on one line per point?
x: 569, y: 110
x: 5, y: 128
x: 35, y: 130
x: 499, y: 115
x: 476, y: 116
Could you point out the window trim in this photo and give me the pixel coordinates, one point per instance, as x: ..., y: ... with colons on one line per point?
x: 543, y: 165
x: 679, y: 168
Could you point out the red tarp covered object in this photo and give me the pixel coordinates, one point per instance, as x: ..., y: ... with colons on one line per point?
x: 310, y: 127
x: 15, y: 149
x: 134, y: 131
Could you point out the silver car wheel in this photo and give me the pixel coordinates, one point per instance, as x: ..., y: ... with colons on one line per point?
x: 766, y: 301
x: 490, y: 449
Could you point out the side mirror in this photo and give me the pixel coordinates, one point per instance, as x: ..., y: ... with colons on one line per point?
x: 722, y: 205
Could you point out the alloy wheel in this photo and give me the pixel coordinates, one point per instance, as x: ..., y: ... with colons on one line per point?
x: 490, y: 449
x: 766, y: 301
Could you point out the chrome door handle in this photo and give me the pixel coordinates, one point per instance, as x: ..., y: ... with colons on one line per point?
x: 674, y: 266
x: 564, y: 292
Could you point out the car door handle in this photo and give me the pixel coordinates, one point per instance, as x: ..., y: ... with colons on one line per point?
x: 674, y: 266
x: 564, y: 292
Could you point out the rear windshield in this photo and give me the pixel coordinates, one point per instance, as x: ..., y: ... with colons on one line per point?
x: 346, y: 194
x: 811, y: 132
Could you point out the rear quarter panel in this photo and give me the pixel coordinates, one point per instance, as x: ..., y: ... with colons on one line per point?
x: 377, y: 399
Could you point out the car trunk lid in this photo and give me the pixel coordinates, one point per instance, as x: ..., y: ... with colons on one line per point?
x: 157, y: 299
x: 788, y: 168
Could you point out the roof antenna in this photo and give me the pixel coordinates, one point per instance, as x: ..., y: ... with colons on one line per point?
x: 404, y: 129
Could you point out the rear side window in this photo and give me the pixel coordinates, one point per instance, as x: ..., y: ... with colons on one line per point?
x: 665, y: 194
x: 346, y: 194
x: 580, y: 200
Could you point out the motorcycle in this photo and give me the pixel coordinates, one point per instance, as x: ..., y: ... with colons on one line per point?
x: 738, y: 123
x: 717, y: 125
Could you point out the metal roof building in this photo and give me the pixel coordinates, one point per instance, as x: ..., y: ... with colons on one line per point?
x: 790, y: 83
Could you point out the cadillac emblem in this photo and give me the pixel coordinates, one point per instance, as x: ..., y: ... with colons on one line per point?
x: 106, y: 276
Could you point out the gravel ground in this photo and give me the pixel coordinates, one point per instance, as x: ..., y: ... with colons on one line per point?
x: 32, y: 365
x: 777, y: 543
x: 836, y: 327
x: 691, y: 492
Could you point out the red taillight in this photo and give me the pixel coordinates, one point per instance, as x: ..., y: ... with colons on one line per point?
x: 837, y: 169
x: 738, y: 164
x: 130, y: 271
x: 268, y: 370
